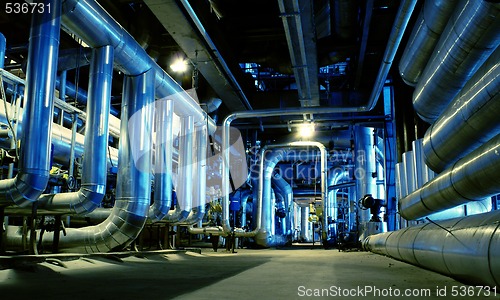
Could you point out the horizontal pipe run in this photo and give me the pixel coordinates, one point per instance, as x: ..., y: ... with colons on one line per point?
x: 466, y: 248
x: 472, y: 178
x: 472, y: 116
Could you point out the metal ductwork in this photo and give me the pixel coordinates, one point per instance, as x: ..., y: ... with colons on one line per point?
x: 190, y: 34
x: 163, y: 155
x: 298, y: 21
x: 94, y: 168
x: 468, y: 40
x: 430, y: 24
x: 466, y: 249
x: 473, y: 177
x: 89, y: 21
x: 34, y: 162
x: 469, y: 121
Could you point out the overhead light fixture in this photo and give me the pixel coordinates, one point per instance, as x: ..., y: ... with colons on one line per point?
x: 306, y: 130
x: 179, y: 65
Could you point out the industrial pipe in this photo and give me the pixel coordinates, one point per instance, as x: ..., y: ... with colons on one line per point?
x: 472, y: 116
x: 469, y: 38
x: 184, y: 186
x: 89, y: 21
x: 472, y: 178
x: 94, y: 165
x: 466, y: 248
x: 163, y: 155
x: 3, y: 45
x: 282, y: 187
x: 34, y: 162
x: 200, y: 177
x: 425, y: 35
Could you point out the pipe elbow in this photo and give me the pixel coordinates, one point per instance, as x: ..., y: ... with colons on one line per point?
x: 27, y: 187
x: 89, y: 198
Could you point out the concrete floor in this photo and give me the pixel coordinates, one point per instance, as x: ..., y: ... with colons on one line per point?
x: 288, y: 273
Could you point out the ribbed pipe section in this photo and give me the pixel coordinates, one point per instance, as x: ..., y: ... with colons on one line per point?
x: 430, y: 24
x: 34, y: 161
x: 469, y: 121
x: 467, y: 249
x: 468, y: 40
x: 473, y: 177
x: 94, y: 165
x: 163, y: 155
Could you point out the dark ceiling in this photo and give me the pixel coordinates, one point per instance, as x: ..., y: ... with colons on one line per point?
x: 246, y: 31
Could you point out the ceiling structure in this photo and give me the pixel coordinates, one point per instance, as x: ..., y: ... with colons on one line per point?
x: 257, y: 54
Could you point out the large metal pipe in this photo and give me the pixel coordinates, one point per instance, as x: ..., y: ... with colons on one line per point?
x: 3, y: 45
x: 430, y: 24
x: 199, y: 177
x: 34, y: 161
x: 472, y: 116
x: 133, y: 190
x: 469, y: 38
x: 94, y: 166
x: 89, y: 21
x: 184, y: 186
x: 364, y: 168
x: 472, y: 178
x: 465, y: 248
x: 163, y: 155
x: 335, y: 176
x: 282, y: 187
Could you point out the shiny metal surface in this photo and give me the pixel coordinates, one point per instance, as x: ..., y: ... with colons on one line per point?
x: 282, y: 187
x: 133, y: 190
x: 94, y: 165
x: 471, y: 35
x: 473, y: 177
x: 34, y: 161
x: 89, y: 21
x: 184, y: 186
x: 364, y: 168
x: 409, y: 169
x: 472, y: 116
x: 3, y: 45
x: 163, y: 155
x: 424, y: 37
x: 462, y: 248
x: 199, y: 177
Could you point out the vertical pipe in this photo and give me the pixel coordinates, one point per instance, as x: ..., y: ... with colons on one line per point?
x: 3, y: 45
x: 34, y: 163
x: 94, y: 165
x: 184, y: 186
x: 164, y: 116
x: 305, y: 233
x: 199, y: 176
x: 365, y: 167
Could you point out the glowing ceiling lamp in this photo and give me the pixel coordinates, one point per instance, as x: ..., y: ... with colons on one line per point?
x: 306, y: 130
x: 180, y: 65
